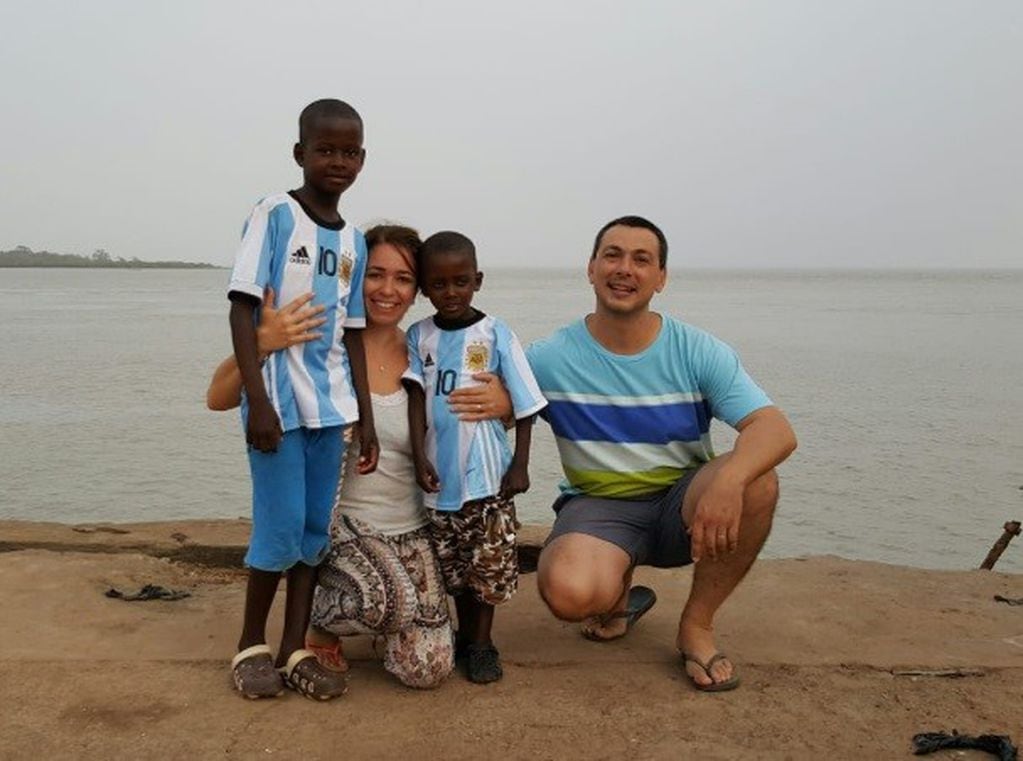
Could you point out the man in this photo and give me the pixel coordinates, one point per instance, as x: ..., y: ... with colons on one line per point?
x: 631, y: 396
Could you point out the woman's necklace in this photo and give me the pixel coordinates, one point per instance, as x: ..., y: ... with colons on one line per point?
x: 383, y: 356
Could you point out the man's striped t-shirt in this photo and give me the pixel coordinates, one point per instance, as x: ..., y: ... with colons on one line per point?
x: 470, y: 458
x: 284, y: 247
x: 630, y: 425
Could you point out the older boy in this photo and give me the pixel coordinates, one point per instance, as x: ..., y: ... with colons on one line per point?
x: 299, y: 405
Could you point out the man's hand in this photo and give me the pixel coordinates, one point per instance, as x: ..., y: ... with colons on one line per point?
x: 489, y: 400
x: 263, y: 431
x: 369, y: 451
x: 515, y: 481
x: 715, y: 529
x: 427, y: 478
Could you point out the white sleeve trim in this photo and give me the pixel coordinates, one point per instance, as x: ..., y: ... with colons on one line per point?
x: 408, y: 375
x: 532, y: 410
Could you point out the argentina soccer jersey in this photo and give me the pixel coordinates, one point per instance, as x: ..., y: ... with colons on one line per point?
x: 286, y: 248
x: 470, y: 457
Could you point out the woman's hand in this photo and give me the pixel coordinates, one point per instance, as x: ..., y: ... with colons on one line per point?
x: 487, y: 401
x: 292, y: 324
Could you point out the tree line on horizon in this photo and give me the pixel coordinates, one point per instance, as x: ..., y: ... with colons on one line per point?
x: 23, y: 256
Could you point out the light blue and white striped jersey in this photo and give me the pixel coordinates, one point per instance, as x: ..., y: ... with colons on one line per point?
x: 284, y: 247
x: 628, y: 425
x: 470, y: 458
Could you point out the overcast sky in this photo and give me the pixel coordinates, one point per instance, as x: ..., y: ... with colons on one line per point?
x: 758, y: 134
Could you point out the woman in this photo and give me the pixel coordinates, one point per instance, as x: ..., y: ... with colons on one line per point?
x: 381, y: 574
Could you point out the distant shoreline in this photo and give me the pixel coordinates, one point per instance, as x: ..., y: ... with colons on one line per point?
x: 23, y: 257
x: 139, y: 266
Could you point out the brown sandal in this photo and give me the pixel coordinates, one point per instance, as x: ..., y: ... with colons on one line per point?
x: 254, y: 674
x: 728, y: 684
x: 331, y: 657
x: 304, y: 674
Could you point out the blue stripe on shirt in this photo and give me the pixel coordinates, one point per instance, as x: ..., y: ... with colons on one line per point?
x: 450, y: 346
x: 325, y: 288
x: 280, y: 225
x: 641, y: 425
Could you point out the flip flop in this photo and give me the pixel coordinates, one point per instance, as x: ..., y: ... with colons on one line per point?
x: 254, y: 674
x: 728, y: 684
x: 641, y: 599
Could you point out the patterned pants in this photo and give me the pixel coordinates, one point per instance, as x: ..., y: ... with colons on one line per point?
x: 371, y: 583
x: 476, y: 548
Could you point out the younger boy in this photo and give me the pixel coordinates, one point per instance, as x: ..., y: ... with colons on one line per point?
x: 469, y: 494
x: 298, y: 406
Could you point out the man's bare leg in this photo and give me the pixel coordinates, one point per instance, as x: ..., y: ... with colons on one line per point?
x: 580, y: 576
x: 715, y: 580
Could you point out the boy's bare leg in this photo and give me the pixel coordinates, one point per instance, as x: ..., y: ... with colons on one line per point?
x: 463, y: 611
x: 475, y: 619
x: 297, y: 610
x: 259, y: 597
x: 475, y: 622
x: 715, y: 580
x: 483, y: 622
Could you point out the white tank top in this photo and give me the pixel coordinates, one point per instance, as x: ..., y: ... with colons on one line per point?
x: 388, y: 499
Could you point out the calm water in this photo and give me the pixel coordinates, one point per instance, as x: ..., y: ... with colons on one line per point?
x: 904, y: 388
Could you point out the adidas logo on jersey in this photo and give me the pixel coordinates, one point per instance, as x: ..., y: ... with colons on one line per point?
x: 428, y: 362
x: 300, y: 257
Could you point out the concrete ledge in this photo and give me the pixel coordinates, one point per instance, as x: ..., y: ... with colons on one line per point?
x: 208, y: 543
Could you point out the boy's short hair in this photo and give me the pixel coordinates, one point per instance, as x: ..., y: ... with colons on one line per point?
x: 445, y: 242
x: 322, y: 109
x: 631, y: 220
x: 405, y: 239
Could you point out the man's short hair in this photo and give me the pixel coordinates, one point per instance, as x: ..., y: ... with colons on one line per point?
x: 632, y: 220
x: 322, y: 109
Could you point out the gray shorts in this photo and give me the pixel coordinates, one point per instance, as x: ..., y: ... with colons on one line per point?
x: 650, y: 529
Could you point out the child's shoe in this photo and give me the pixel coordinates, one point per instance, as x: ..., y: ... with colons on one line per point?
x: 254, y: 674
x: 484, y: 663
x: 304, y: 674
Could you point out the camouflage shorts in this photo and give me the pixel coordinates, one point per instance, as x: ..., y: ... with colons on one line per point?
x: 476, y: 548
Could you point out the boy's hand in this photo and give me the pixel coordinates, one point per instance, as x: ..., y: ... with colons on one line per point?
x: 369, y: 450
x: 427, y: 478
x: 515, y: 481
x: 263, y: 431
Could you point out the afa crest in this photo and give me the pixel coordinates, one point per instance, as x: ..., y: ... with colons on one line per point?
x: 476, y: 356
x: 345, y: 270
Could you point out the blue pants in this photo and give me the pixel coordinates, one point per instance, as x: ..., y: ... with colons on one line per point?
x: 293, y: 492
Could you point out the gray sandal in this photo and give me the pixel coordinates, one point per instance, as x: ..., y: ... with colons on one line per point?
x: 254, y: 674
x: 640, y: 600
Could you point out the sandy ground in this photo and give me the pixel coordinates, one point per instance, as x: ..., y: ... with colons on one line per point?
x: 819, y: 642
